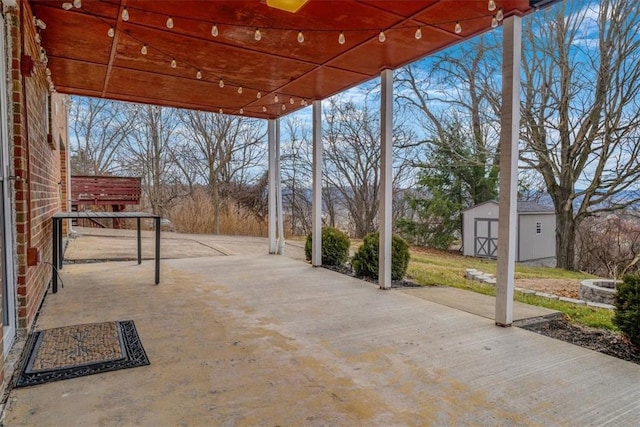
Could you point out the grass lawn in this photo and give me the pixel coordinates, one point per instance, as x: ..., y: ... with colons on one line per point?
x: 441, y: 268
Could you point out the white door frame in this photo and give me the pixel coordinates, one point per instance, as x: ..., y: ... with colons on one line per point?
x: 6, y: 215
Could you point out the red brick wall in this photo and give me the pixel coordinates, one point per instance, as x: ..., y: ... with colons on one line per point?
x: 37, y: 162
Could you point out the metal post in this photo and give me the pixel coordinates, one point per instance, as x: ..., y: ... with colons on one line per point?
x: 157, y: 224
x: 54, y: 256
x: 280, y: 214
x: 316, y: 203
x: 386, y: 177
x: 139, y: 241
x: 509, y: 135
x: 271, y: 131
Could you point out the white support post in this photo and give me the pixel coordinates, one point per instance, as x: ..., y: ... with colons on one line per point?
x: 279, y: 213
x: 509, y: 137
x: 271, y: 132
x: 316, y: 203
x: 386, y: 178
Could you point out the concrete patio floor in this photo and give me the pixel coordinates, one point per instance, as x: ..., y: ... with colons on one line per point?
x: 268, y: 340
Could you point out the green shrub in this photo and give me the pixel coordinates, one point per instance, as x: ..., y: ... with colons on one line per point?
x: 627, y: 314
x: 335, y: 246
x: 365, y: 261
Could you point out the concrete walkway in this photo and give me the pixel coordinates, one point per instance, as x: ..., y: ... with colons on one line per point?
x: 267, y: 340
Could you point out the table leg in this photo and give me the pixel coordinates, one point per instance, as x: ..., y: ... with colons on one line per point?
x: 60, y: 244
x: 139, y: 242
x: 54, y: 256
x: 157, y: 249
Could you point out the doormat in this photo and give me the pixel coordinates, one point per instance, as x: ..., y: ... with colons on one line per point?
x: 79, y: 350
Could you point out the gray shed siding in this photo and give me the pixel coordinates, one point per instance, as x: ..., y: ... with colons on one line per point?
x: 532, y: 245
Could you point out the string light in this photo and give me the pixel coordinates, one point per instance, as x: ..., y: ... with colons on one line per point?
x: 77, y: 4
x: 492, y: 5
x: 241, y: 110
x: 257, y: 35
x: 144, y: 49
x: 214, y: 30
x: 275, y: 98
x: 125, y: 14
x: 341, y: 38
x: 240, y: 89
x: 199, y: 75
x: 418, y: 34
x: 381, y: 37
x: 284, y: 107
x: 221, y: 83
x: 111, y: 32
x: 169, y: 22
x: 302, y: 101
x: 259, y: 95
x: 291, y: 101
x: 174, y: 64
x: 458, y: 28
x: 67, y: 6
x: 494, y: 22
x: 264, y: 109
x: 500, y: 15
x: 221, y: 112
x: 300, y: 37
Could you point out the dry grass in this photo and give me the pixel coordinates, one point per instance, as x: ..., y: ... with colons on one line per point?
x: 196, y: 215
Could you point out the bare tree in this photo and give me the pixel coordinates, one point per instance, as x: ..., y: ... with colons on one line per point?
x: 296, y: 174
x: 222, y: 151
x: 149, y: 156
x: 99, y: 129
x: 581, y: 126
x: 352, y: 160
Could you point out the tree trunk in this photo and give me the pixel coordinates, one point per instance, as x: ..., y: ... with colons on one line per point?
x: 566, y: 240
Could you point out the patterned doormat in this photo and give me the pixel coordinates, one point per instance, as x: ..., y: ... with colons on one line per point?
x: 76, y: 351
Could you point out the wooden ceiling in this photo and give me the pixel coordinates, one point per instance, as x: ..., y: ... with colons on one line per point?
x: 85, y: 60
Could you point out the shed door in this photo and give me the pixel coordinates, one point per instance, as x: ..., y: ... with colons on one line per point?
x: 485, y: 238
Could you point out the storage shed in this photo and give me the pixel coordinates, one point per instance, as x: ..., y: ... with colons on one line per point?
x: 535, y: 228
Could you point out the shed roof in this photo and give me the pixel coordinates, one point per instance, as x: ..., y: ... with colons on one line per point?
x: 523, y: 207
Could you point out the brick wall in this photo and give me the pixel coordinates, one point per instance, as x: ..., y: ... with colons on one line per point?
x: 39, y: 126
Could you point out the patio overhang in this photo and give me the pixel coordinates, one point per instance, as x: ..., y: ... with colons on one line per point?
x: 205, y: 54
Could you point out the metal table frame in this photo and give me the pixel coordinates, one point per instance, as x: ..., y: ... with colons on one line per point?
x: 58, y: 252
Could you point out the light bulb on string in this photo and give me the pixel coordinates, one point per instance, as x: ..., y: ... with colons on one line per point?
x: 494, y: 22
x: 125, y: 14
x: 67, y: 6
x: 458, y: 28
x: 291, y: 101
x: 77, y: 4
x: 174, y: 64
x: 302, y: 101
x: 144, y: 49
x: 492, y: 5
x: 169, y: 22
x: 264, y: 109
x: 275, y: 98
x: 199, y: 75
x: 341, y: 38
x: 214, y: 30
x: 284, y: 107
x: 381, y: 37
x: 259, y: 95
x: 221, y: 83
x: 240, y: 89
x: 418, y: 34
x: 257, y: 35
x: 300, y: 37
x: 220, y: 111
x: 500, y: 15
x: 241, y: 110
x: 111, y: 32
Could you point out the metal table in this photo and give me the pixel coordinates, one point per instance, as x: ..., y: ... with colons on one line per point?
x: 58, y: 253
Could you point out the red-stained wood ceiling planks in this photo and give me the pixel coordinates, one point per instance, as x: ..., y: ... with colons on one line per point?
x: 84, y: 60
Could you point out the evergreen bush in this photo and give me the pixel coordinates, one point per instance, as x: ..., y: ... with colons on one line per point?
x: 365, y: 260
x: 627, y: 312
x: 335, y: 246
